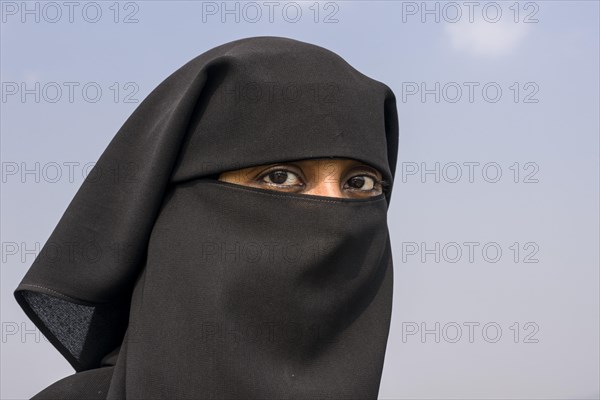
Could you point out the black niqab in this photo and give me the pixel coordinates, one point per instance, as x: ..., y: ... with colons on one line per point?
x: 160, y: 281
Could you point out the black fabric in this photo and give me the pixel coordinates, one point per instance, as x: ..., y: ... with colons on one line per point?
x: 181, y: 286
x: 90, y: 385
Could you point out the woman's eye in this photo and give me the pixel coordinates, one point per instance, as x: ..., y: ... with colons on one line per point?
x: 362, y: 182
x: 281, y: 177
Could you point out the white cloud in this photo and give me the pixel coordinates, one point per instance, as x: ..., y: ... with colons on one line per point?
x: 482, y: 38
x: 30, y: 78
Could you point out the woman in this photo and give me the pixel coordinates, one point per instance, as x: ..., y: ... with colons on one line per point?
x: 231, y: 242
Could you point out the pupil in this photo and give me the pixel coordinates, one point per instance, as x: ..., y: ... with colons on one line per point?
x: 278, y: 177
x: 357, y: 182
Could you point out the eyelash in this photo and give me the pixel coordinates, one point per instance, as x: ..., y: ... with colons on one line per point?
x: 385, y: 186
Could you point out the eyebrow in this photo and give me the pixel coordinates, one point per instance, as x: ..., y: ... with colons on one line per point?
x: 366, y: 166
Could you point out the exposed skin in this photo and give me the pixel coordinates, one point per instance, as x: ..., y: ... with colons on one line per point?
x: 331, y: 177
